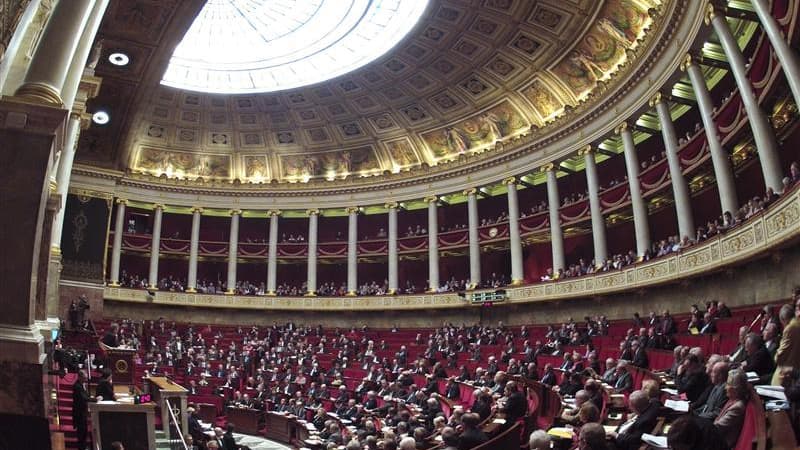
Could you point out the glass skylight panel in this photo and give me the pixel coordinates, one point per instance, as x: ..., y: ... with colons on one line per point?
x: 241, y: 46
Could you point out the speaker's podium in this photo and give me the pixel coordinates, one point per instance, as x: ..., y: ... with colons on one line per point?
x: 120, y: 362
x: 134, y: 425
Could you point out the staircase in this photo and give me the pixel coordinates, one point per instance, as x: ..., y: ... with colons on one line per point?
x: 64, y: 402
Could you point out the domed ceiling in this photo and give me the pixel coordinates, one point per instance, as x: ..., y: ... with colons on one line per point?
x: 470, y: 77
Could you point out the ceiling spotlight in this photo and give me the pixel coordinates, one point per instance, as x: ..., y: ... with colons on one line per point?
x: 119, y: 59
x: 100, y: 118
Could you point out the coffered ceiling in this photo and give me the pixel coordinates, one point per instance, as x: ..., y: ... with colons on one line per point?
x: 470, y: 74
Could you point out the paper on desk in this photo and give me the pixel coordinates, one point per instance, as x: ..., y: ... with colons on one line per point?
x: 677, y: 405
x: 561, y: 432
x: 499, y: 421
x: 770, y: 387
x: 655, y: 441
x: 752, y: 376
x: 610, y: 428
x: 778, y: 395
x: 669, y: 391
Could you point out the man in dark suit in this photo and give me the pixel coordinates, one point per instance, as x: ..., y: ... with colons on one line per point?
x: 709, y: 324
x: 105, y: 388
x: 713, y: 399
x: 549, y: 377
x: 110, y: 338
x: 639, y: 355
x: 758, y: 359
x: 624, y: 381
x: 629, y: 435
x: 80, y: 408
x: 692, y: 378
x: 228, y: 442
x: 516, y: 407
x: 481, y: 404
x: 471, y: 437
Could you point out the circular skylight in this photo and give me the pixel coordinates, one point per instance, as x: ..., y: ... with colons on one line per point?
x: 242, y: 46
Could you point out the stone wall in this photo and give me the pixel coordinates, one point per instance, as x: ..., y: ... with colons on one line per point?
x: 767, y: 279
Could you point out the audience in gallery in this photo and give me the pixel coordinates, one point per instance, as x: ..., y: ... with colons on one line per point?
x: 282, y: 368
x: 659, y: 248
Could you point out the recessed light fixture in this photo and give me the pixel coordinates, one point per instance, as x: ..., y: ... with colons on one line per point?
x: 119, y: 59
x: 100, y: 117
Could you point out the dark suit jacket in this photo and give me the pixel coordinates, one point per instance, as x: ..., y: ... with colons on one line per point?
x: 624, y: 383
x: 549, y: 379
x: 483, y: 409
x: 693, y: 384
x: 644, y: 423
x: 640, y: 358
x: 761, y: 363
x: 516, y: 407
x: 105, y: 390
x: 110, y: 340
x: 471, y: 438
x: 228, y: 442
x: 80, y: 402
x: 710, y: 403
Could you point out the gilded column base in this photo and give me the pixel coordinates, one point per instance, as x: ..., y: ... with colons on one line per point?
x: 40, y: 93
x: 310, y: 294
x: 472, y: 286
x: 229, y: 292
x: 152, y: 288
x: 350, y: 294
x: 391, y: 292
x: 191, y: 291
x: 271, y: 294
x: 113, y: 284
x: 517, y: 282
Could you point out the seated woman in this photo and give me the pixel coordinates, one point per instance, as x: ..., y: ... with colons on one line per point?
x: 731, y: 418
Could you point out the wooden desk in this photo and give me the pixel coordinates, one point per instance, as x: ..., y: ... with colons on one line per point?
x: 780, y: 430
x: 162, y: 390
x: 278, y: 427
x: 135, y: 425
x: 245, y: 419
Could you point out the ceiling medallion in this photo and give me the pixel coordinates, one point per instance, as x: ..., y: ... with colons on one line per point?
x: 246, y: 46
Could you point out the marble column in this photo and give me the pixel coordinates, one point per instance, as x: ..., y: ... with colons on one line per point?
x: 352, y: 250
x: 155, y: 247
x: 474, y: 238
x: 763, y: 135
x: 680, y: 189
x: 18, y: 41
x: 719, y: 157
x: 272, y: 252
x: 48, y: 69
x: 393, y: 257
x: 82, y: 51
x: 233, y: 251
x: 63, y: 176
x: 194, y: 247
x: 553, y: 204
x: 598, y: 221
x: 786, y: 55
x: 638, y: 204
x: 433, y: 243
x: 116, y: 249
x: 515, y: 241
x: 311, y: 279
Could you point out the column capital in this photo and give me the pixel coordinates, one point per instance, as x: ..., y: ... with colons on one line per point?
x: 121, y: 201
x: 470, y: 191
x: 391, y: 205
x: 235, y: 212
x: 197, y: 209
x: 352, y: 210
x: 312, y: 212
x: 549, y: 167
x: 158, y: 206
x: 510, y: 180
x: 431, y: 199
x: 274, y: 212
x: 587, y: 150
x: 710, y: 12
x: 656, y: 99
x: 688, y: 61
x: 621, y: 128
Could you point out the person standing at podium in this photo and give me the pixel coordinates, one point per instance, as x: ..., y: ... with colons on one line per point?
x: 111, y: 337
x: 105, y: 388
x: 80, y: 408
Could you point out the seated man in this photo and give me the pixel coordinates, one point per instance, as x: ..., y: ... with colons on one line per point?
x: 472, y: 436
x: 570, y: 416
x: 710, y: 403
x: 624, y: 381
x: 642, y: 420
